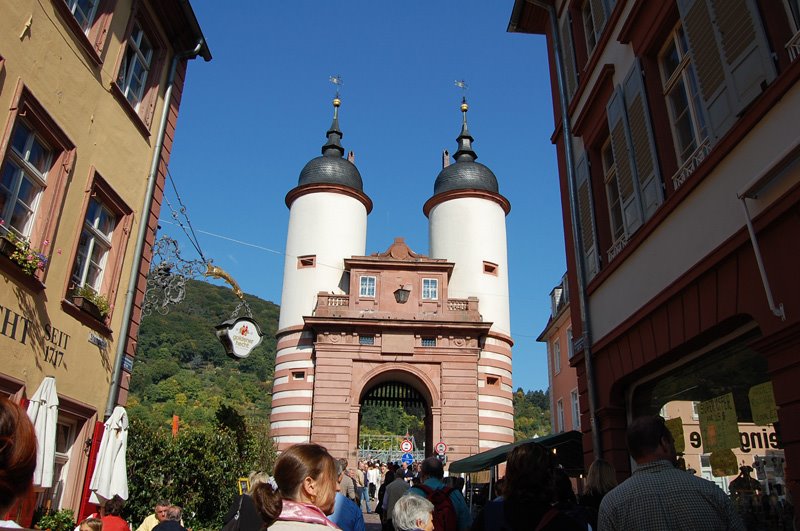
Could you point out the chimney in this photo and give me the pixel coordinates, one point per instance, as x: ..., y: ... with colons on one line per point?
x: 445, y: 159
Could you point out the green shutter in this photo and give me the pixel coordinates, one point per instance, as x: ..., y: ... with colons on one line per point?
x: 623, y: 158
x: 568, y: 56
x: 730, y: 54
x: 642, y: 142
x: 586, y: 217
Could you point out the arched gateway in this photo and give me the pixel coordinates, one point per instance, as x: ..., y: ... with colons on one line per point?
x: 350, y: 322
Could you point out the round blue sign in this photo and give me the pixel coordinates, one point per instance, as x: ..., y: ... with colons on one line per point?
x: 407, y: 459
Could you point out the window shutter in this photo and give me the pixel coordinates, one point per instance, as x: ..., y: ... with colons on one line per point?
x: 586, y: 216
x: 623, y: 159
x: 642, y: 142
x: 598, y: 17
x: 568, y: 55
x: 730, y: 55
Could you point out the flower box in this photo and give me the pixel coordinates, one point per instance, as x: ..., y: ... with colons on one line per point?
x: 87, y: 306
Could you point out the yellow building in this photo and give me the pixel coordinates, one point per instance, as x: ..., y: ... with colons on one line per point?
x: 89, y: 92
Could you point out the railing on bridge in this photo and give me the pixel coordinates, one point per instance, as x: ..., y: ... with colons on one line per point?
x: 386, y: 448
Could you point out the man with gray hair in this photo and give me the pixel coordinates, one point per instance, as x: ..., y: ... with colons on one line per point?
x: 412, y: 513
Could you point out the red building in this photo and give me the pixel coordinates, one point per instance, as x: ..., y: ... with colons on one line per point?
x: 675, y: 126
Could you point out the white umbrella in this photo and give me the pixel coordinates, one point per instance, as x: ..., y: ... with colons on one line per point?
x: 43, y: 412
x: 110, y: 476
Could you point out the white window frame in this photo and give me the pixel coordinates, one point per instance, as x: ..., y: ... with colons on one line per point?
x: 95, y: 239
x: 793, y: 12
x: 575, y: 401
x: 87, y: 19
x: 560, y: 414
x: 613, y: 196
x: 24, y: 171
x: 367, y: 286
x: 570, y: 347
x: 133, y: 56
x: 683, y: 76
x: 556, y: 356
x: 430, y: 289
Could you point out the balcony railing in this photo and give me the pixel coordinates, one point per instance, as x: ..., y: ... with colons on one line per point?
x: 691, y: 163
x: 339, y: 305
x: 617, y: 248
x: 793, y: 46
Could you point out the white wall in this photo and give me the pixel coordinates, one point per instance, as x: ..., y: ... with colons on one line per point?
x: 331, y: 226
x: 469, y: 231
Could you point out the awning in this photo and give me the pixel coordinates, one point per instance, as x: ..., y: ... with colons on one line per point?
x: 568, y: 452
x: 43, y: 412
x: 110, y: 477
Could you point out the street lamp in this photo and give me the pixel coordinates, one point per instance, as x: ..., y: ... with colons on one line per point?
x: 401, y: 294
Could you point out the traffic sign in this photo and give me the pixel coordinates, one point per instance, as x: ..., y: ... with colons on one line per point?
x: 407, y: 459
x: 441, y: 448
x: 406, y: 446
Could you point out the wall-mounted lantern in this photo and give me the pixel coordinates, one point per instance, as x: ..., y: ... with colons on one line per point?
x: 401, y: 294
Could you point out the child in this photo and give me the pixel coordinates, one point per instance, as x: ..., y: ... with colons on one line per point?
x: 91, y: 524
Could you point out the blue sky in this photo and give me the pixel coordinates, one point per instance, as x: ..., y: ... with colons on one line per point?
x: 251, y: 118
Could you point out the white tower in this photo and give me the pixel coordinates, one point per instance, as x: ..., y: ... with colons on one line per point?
x: 467, y: 225
x: 327, y: 223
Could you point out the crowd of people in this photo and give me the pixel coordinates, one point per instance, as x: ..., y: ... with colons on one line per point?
x: 310, y: 489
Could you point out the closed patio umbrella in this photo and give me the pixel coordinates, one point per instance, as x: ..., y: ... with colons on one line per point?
x: 110, y: 477
x: 43, y: 412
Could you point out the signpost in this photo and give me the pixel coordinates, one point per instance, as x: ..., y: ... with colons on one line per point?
x: 406, y: 446
x: 407, y: 458
x: 441, y: 448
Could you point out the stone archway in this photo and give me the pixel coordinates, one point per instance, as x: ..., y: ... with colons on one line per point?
x: 400, y: 384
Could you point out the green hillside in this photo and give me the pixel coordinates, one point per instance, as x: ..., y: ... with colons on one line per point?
x: 181, y: 368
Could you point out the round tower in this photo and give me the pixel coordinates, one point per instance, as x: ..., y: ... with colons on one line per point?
x: 467, y: 226
x: 327, y: 223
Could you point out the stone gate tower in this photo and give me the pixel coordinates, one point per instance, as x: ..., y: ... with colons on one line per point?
x: 397, y: 325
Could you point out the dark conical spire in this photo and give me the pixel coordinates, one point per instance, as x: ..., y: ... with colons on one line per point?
x: 465, y: 153
x: 333, y: 147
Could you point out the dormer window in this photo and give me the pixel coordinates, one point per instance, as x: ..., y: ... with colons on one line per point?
x: 367, y: 286
x: 430, y: 289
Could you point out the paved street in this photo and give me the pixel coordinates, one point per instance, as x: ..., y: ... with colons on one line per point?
x: 372, y: 521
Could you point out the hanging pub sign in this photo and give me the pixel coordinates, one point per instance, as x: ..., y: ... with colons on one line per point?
x: 239, y: 336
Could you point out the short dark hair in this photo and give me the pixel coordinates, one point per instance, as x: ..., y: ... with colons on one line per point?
x: 645, y: 434
x: 114, y: 506
x: 432, y: 467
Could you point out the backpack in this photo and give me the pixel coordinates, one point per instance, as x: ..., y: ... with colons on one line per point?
x: 444, y: 512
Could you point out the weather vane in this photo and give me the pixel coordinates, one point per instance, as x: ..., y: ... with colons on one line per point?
x: 337, y: 80
x: 460, y: 83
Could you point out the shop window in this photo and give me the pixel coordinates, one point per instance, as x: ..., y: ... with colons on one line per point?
x: 89, y: 20
x: 366, y: 286
x: 103, y: 237
x: 308, y: 261
x: 490, y: 268
x: 36, y: 161
x: 430, y: 289
x: 139, y: 67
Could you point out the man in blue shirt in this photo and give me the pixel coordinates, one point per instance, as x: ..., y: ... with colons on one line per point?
x: 431, y: 474
x: 346, y: 514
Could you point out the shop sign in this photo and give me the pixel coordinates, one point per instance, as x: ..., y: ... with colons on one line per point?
x: 748, y: 440
x: 718, y: 423
x: 239, y: 336
x: 19, y: 328
x: 675, y: 427
x: 762, y: 404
